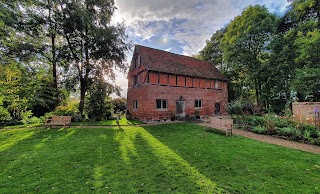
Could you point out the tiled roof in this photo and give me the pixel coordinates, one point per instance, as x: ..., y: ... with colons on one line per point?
x: 166, y: 62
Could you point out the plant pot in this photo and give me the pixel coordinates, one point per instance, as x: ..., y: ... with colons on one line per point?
x: 173, y: 118
x: 197, y: 117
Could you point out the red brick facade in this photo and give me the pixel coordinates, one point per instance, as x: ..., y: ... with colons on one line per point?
x: 153, y: 95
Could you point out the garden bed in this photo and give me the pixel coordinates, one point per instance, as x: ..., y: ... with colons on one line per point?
x: 280, y: 127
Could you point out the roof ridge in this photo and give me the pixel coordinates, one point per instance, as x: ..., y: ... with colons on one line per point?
x: 174, y: 53
x: 168, y: 62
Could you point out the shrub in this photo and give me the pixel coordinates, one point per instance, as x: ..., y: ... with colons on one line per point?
x: 120, y: 104
x: 27, y: 118
x: 4, y: 115
x: 259, y: 129
x: 70, y: 109
x: 304, y: 127
x: 251, y: 121
x: 35, y: 120
x: 307, y: 135
x: 297, y: 134
x: 286, y: 131
x: 235, y: 107
x: 270, y: 127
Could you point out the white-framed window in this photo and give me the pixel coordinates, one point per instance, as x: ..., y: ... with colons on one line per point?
x: 135, y: 104
x: 161, y: 104
x: 198, y: 103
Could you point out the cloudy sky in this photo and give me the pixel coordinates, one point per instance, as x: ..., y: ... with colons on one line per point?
x: 180, y: 26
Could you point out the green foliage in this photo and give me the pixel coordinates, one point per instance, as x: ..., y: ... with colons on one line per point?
x: 274, y: 60
x: 259, y: 129
x: 235, y: 107
x: 98, y: 106
x: 71, y: 35
x: 70, y: 109
x: 26, y: 116
x: 212, y: 52
x: 274, y: 125
x: 286, y: 131
x: 307, y: 82
x: 119, y: 104
x: 245, y: 48
x: 307, y: 134
x: 4, y: 115
x: 249, y: 121
x: 95, y: 44
x: 301, y: 25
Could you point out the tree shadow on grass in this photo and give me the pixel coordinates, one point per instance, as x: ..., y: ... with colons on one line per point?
x: 38, y: 162
x: 156, y: 168
x: 238, y: 164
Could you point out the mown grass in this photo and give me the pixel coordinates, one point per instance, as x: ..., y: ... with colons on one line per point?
x: 111, y: 122
x: 180, y: 158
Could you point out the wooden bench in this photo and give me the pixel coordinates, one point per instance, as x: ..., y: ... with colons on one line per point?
x: 59, y: 121
x: 222, y: 123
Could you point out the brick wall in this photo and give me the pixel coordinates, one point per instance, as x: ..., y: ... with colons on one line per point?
x: 304, y: 111
x: 146, y: 96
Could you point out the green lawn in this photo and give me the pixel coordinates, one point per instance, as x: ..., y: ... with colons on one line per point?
x: 111, y: 122
x: 180, y: 158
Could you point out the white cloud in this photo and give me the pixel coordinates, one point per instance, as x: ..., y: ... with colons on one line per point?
x: 189, y: 22
x: 168, y: 49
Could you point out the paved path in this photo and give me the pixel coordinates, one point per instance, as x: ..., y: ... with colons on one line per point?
x: 276, y: 141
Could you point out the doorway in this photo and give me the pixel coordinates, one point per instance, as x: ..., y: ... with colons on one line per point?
x: 217, y: 108
x: 180, y: 109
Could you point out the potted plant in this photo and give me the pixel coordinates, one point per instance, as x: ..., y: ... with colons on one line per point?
x: 173, y: 115
x: 197, y: 114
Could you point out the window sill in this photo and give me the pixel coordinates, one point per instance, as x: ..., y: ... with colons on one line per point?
x: 161, y: 109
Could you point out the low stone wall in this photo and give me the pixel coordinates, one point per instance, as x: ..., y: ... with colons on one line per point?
x: 305, y: 111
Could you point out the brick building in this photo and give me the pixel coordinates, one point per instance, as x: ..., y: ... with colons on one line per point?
x: 162, y: 83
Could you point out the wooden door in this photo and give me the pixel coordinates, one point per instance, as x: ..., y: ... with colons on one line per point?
x: 180, y: 109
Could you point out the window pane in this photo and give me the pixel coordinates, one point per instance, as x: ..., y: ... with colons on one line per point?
x: 135, y: 104
x: 164, y: 104
x: 198, y: 103
x: 158, y: 103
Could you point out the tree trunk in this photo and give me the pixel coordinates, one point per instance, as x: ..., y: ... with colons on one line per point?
x: 257, y: 92
x: 82, y: 94
x: 52, y: 31
x: 54, y: 70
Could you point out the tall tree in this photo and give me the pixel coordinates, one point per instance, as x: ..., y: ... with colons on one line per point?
x: 212, y: 51
x: 95, y: 44
x: 245, y: 47
x: 300, y: 27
